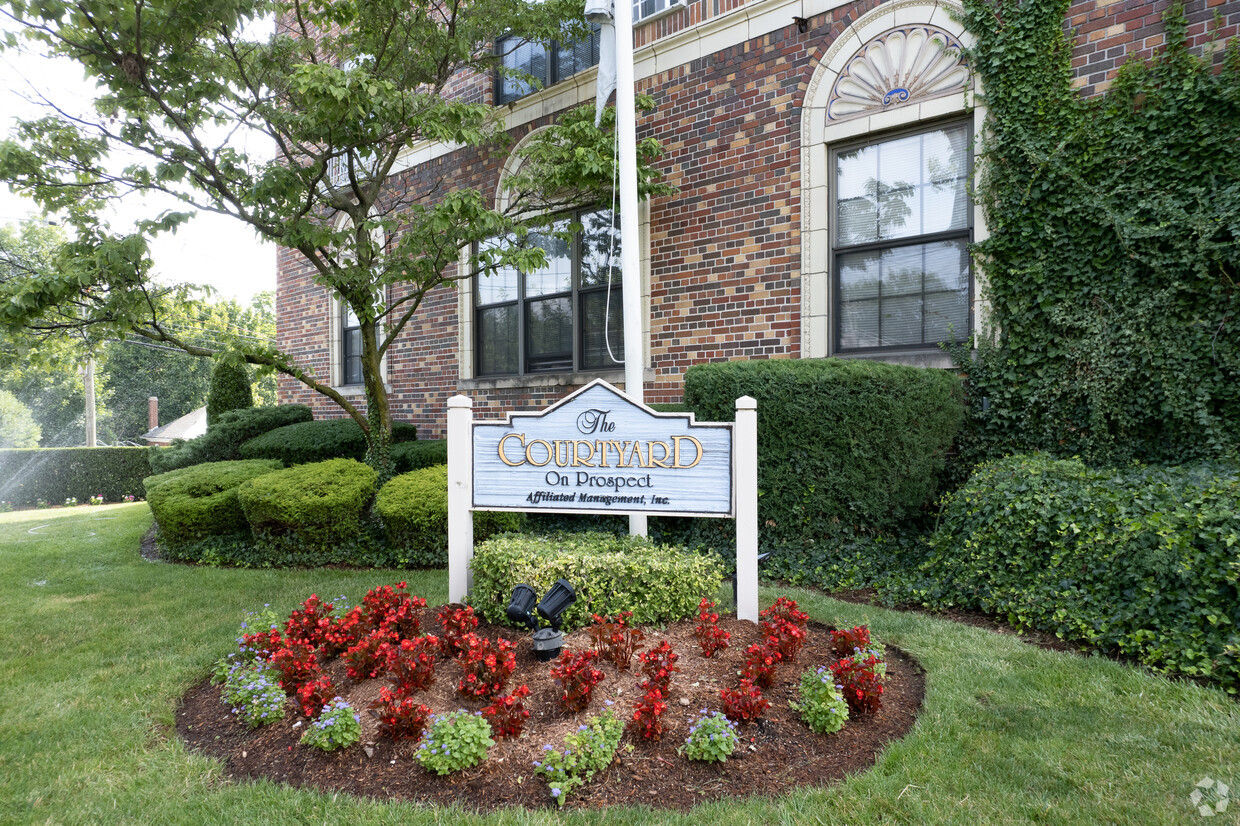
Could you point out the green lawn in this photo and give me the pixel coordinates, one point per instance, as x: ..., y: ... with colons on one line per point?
x: 100, y: 643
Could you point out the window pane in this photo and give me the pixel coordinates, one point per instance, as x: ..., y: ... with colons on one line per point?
x: 859, y: 323
x: 352, y: 356
x: 645, y: 8
x: 856, y: 176
x: 600, y: 249
x: 549, y: 334
x: 903, y: 187
x: 908, y: 295
x: 526, y: 56
x: 350, y: 317
x: 497, y: 340
x: 557, y: 275
x: 572, y: 58
x: 596, y: 312
x: 497, y: 286
x: 900, y: 320
x: 859, y: 275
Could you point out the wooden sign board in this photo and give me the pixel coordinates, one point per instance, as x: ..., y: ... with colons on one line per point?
x: 597, y: 451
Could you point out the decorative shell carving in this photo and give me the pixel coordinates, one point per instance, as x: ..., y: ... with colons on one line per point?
x: 909, y: 63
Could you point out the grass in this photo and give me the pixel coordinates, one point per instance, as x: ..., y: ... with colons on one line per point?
x: 99, y: 644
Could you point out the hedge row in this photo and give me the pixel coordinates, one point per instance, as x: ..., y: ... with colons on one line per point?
x: 199, y: 502
x: 658, y: 583
x: 318, y: 441
x: 223, y: 439
x: 55, y: 474
x: 1141, y: 560
x: 252, y: 513
x: 841, y: 442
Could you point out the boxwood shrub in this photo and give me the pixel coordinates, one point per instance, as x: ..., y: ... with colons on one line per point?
x: 413, y: 508
x: 200, y: 502
x: 408, y: 456
x: 1142, y: 560
x: 658, y: 583
x: 223, y: 439
x: 313, y: 506
x: 842, y: 443
x: 318, y: 441
x: 54, y: 474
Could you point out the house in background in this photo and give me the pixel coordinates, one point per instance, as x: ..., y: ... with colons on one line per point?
x: 190, y: 426
x: 823, y: 153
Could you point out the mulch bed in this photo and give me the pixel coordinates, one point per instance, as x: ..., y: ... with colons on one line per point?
x: 776, y: 754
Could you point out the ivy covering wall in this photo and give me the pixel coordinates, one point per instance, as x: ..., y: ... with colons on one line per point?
x: 1111, y: 269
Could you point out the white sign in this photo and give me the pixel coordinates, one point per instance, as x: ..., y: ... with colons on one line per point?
x: 597, y: 451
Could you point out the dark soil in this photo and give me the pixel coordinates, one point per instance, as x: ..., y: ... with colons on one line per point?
x: 776, y: 754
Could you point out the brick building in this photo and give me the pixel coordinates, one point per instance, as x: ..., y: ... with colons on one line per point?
x: 823, y: 153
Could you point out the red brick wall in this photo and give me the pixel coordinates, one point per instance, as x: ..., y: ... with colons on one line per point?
x: 725, y: 251
x: 1109, y: 33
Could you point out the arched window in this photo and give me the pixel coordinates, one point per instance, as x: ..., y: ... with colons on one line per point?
x: 887, y: 137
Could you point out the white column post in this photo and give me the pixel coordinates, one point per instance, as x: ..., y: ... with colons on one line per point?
x: 630, y: 253
x: 745, y: 449
x: 460, y: 497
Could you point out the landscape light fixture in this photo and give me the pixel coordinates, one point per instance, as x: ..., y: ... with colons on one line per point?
x: 521, y: 606
x: 556, y: 601
x: 548, y: 642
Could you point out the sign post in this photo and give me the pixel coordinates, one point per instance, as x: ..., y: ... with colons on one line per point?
x: 599, y: 451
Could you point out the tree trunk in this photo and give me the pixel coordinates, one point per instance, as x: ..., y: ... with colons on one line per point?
x: 379, y: 418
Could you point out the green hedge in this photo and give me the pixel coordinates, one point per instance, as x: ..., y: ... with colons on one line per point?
x: 199, y: 502
x: 413, y: 508
x: 1142, y: 560
x: 223, y: 439
x: 408, y: 456
x: 230, y: 390
x: 658, y: 583
x: 318, y: 441
x: 314, y: 506
x: 849, y: 444
x: 54, y: 474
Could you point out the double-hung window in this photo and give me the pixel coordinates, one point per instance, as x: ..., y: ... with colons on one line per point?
x: 564, y: 317
x: 549, y: 62
x: 350, y: 346
x: 643, y: 9
x: 900, y: 242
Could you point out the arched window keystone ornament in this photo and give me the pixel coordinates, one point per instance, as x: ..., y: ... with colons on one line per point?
x: 911, y: 63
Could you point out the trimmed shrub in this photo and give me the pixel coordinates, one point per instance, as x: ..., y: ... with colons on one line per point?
x: 658, y: 583
x: 414, y: 510
x: 223, y: 438
x: 199, y: 502
x: 230, y: 390
x: 55, y: 474
x: 1141, y: 560
x: 842, y: 443
x: 315, y: 505
x: 408, y: 456
x: 318, y: 441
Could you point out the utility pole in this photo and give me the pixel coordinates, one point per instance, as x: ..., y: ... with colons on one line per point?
x: 89, y: 381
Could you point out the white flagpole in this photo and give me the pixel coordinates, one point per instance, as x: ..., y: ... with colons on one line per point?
x: 630, y: 251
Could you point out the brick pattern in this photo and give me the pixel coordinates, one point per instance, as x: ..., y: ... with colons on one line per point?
x: 1109, y: 32
x: 725, y: 251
